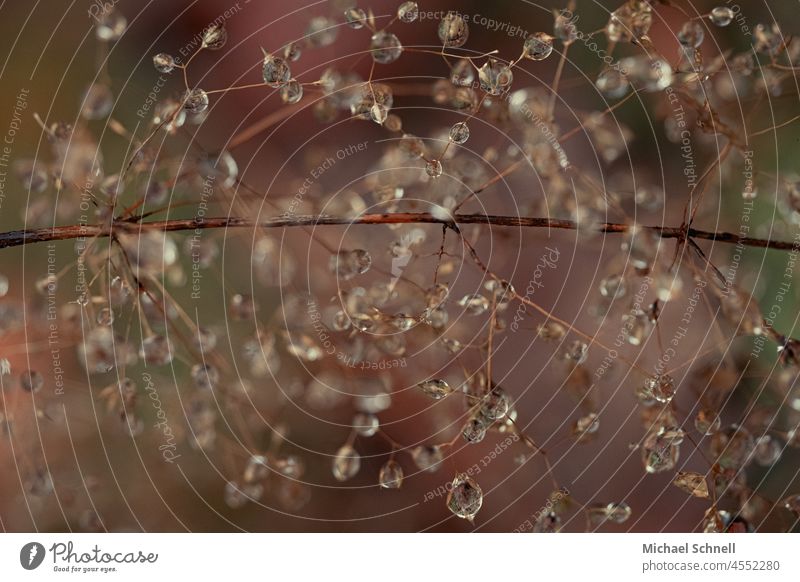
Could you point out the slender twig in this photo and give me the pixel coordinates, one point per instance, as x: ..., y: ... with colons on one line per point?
x: 132, y: 226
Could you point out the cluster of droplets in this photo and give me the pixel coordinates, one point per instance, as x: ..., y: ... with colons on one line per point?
x: 361, y: 309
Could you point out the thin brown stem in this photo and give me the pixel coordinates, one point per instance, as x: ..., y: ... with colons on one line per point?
x: 21, y: 237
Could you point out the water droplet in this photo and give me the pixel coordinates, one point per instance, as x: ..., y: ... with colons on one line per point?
x: 436, y: 388
x: 111, y: 25
x: 732, y: 446
x: 433, y: 168
x: 408, y: 12
x: 98, y: 101
x: 661, y: 387
x: 586, y: 427
x: 366, y: 424
x: 156, y: 350
x: 465, y: 497
x: 348, y: 264
x: 691, y: 34
x: 385, y: 47
x: 215, y: 37
x: 164, y: 63
x: 275, y: 71
x: 355, y: 18
x: 474, y: 304
x: 474, y: 430
x: 291, y: 92
x: 459, y: 133
x: 707, y: 422
x: 495, y: 77
x: 427, y: 458
x: 453, y: 30
x: 538, y: 46
x: 391, y: 475
x: 346, y: 463
x: 195, y: 101
x: 721, y: 16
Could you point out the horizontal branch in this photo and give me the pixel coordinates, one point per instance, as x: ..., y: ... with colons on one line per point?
x: 130, y: 226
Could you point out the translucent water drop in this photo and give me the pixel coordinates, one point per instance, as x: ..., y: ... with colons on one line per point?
x: 204, y: 376
x: 433, y: 168
x: 551, y: 331
x: 292, y: 52
x: 538, y: 46
x: 195, y: 101
x: 495, y: 404
x: 586, y: 427
x: 393, y: 123
x: 111, y: 25
x: 391, y: 475
x: 630, y: 22
x: 355, y: 17
x: 276, y: 71
x: 636, y: 326
x: 691, y: 34
x: 290, y: 466
x: 436, y: 388
x: 459, y: 133
x: 408, y: 12
x: 721, y: 16
x: 612, y: 286
x: 215, y: 37
x: 660, y: 452
x: 348, y: 264
x: 462, y: 74
x: 707, y: 422
x: 321, y: 32
x: 692, y: 483
x: 474, y: 303
x: 651, y: 75
x: 98, y: 101
x: 378, y: 113
x: 474, y: 430
x: 565, y: 29
x: 366, y: 424
x: 768, y: 450
x: 386, y: 47
x: 427, y: 458
x: 346, y: 463
x: 234, y: 496
x: 599, y: 513
x: 453, y: 30
x: 465, y: 497
x: 502, y: 291
x: 291, y: 92
x: 576, y: 353
x: 156, y: 350
x: 164, y: 63
x: 495, y: 77
x: 661, y: 387
x: 612, y: 83
x: 257, y: 469
x: 437, y: 295
x: 732, y: 447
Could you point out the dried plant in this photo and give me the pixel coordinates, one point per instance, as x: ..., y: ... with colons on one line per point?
x: 581, y: 239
